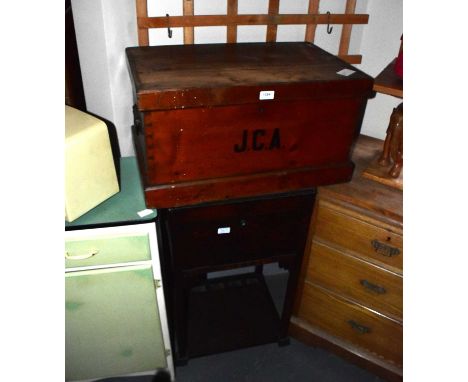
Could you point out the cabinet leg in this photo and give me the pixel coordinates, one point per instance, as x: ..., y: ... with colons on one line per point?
x: 289, y: 299
x: 180, y: 320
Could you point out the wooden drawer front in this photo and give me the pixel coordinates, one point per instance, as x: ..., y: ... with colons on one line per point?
x: 380, y: 245
x: 352, y: 323
x: 106, y: 250
x: 368, y: 284
x: 237, y: 232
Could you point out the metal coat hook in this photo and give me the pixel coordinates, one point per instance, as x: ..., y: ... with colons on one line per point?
x: 329, y: 29
x: 169, y: 30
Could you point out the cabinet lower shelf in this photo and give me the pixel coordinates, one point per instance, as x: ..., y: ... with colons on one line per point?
x: 230, y: 313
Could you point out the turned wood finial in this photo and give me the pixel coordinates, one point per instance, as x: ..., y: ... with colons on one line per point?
x: 393, y: 145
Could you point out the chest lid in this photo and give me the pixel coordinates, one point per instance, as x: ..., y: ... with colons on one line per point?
x: 185, y: 76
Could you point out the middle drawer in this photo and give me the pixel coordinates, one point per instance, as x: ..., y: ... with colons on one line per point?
x: 364, y: 282
x: 240, y: 231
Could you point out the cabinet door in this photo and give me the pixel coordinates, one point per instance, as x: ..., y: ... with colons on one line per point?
x: 113, y: 325
x: 115, y: 318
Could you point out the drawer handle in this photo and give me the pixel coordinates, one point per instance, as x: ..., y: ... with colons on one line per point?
x: 373, y: 287
x: 359, y: 328
x: 81, y: 257
x: 384, y: 249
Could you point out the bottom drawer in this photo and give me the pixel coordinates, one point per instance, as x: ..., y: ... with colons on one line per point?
x: 352, y: 323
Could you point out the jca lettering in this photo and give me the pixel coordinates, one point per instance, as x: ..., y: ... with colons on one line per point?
x: 258, y: 140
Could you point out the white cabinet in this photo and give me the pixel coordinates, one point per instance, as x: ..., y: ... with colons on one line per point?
x: 115, y: 311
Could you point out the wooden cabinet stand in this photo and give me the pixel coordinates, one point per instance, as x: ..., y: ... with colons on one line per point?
x: 211, y: 315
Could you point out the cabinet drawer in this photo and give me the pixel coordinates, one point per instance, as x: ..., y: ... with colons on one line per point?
x: 366, y: 283
x: 104, y: 250
x: 352, y: 323
x: 241, y: 231
x: 380, y: 245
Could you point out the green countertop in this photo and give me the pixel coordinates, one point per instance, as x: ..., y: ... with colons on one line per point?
x: 122, y: 207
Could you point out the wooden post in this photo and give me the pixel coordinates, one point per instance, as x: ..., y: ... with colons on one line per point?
x: 188, y: 31
x: 142, y: 11
x: 273, y: 9
x: 310, y: 29
x: 232, y: 29
x: 347, y: 28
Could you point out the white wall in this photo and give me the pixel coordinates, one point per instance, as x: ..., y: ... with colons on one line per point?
x: 379, y: 46
x: 105, y: 28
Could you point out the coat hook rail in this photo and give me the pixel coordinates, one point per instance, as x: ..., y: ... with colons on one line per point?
x: 222, y: 20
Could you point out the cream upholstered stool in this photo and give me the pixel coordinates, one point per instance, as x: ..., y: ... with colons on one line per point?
x: 90, y: 175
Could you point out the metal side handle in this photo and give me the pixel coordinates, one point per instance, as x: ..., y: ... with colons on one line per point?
x: 384, y: 249
x: 359, y: 328
x: 373, y: 287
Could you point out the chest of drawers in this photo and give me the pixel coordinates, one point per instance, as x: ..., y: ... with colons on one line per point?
x: 351, y: 288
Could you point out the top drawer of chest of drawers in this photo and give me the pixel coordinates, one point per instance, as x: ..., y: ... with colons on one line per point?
x: 349, y: 231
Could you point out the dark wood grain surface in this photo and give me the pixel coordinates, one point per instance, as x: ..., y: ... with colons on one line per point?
x: 180, y: 69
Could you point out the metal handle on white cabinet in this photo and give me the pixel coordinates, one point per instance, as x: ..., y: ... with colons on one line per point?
x: 81, y: 257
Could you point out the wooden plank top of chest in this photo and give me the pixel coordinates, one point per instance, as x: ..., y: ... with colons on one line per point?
x: 375, y: 198
x: 187, y: 68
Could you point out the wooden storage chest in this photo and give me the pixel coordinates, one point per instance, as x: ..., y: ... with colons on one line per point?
x: 222, y: 121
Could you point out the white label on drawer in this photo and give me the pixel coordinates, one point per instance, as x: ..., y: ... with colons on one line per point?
x: 144, y: 213
x: 346, y: 72
x: 267, y: 94
x: 223, y: 230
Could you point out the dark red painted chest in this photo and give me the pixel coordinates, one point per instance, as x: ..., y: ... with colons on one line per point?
x: 223, y: 121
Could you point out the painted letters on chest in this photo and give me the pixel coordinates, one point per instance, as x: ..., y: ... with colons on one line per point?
x: 258, y: 140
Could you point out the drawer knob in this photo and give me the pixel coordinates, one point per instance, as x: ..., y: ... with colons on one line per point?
x: 359, y: 328
x: 81, y: 257
x: 243, y: 223
x: 373, y: 287
x: 384, y: 249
